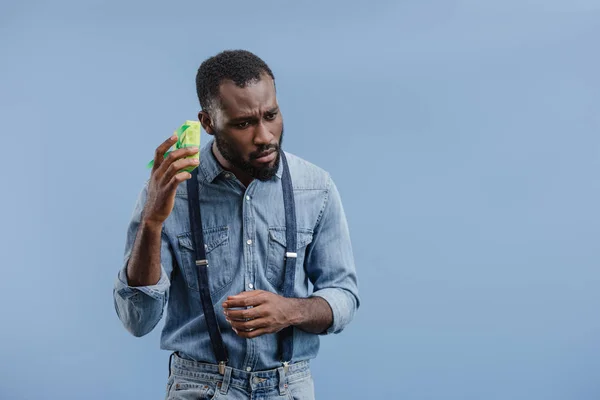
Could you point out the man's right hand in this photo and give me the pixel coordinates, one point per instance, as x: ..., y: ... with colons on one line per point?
x: 166, y: 175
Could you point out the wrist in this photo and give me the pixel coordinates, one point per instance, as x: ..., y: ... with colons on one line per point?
x: 150, y: 225
x: 294, y: 313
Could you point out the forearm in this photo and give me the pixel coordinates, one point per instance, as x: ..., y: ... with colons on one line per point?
x: 313, y: 315
x: 144, y: 267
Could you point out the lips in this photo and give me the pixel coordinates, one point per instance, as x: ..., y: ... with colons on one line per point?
x: 267, y: 156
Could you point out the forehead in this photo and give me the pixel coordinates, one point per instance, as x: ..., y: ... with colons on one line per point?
x: 254, y: 98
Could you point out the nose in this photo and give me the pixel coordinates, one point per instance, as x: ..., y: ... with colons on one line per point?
x: 262, y: 136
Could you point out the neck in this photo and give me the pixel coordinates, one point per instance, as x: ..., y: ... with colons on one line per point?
x: 243, y: 177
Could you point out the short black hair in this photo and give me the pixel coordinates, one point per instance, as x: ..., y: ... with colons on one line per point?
x: 240, y: 66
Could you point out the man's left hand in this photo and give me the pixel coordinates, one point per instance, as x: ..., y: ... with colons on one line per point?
x: 269, y: 313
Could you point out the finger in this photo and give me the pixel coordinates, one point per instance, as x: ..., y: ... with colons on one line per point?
x: 243, y: 295
x: 242, y: 315
x: 248, y: 326
x: 252, y: 334
x: 248, y: 293
x: 177, y: 167
x: 174, y: 156
x: 244, y: 301
x: 177, y: 179
x: 159, y: 153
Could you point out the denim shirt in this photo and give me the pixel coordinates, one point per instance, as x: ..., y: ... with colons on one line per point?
x: 244, y: 231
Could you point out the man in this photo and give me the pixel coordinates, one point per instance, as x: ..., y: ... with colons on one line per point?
x: 246, y: 305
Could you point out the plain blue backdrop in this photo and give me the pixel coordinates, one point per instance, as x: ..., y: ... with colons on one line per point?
x: 463, y: 137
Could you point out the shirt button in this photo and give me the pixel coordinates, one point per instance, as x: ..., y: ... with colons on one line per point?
x: 247, y: 198
x: 248, y: 369
x: 228, y: 175
x: 249, y: 242
x: 250, y: 285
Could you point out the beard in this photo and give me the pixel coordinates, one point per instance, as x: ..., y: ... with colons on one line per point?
x: 238, y: 161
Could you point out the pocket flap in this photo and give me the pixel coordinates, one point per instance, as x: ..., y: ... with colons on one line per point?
x: 213, y: 238
x: 303, y: 237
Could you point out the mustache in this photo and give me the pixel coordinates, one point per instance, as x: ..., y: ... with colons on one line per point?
x: 263, y: 150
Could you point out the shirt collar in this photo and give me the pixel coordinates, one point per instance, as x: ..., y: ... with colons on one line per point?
x: 212, y: 169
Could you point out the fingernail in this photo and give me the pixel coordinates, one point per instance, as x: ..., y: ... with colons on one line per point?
x: 224, y: 305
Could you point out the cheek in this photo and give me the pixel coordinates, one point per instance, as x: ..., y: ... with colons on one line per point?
x: 242, y: 145
x: 275, y: 127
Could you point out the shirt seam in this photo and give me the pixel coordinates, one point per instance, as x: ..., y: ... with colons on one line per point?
x: 325, y: 203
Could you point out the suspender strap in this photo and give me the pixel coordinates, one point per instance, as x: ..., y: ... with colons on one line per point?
x: 287, y: 334
x: 202, y: 265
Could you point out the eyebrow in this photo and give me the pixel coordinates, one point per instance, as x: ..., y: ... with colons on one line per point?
x: 243, y: 118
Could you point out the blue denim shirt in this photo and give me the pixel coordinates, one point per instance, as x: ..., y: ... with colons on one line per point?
x: 244, y: 231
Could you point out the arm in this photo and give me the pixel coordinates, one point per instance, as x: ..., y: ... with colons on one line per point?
x: 330, y: 263
x: 144, y: 268
x: 140, y: 297
x: 140, y: 292
x: 313, y: 315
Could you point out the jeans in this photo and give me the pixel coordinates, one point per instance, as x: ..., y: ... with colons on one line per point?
x: 192, y: 380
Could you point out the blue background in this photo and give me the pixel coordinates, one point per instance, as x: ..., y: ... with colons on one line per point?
x: 463, y: 136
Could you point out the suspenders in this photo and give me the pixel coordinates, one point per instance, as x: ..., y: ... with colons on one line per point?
x: 287, y: 334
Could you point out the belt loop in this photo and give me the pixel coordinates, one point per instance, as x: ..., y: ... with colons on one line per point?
x: 226, y: 380
x: 282, y: 381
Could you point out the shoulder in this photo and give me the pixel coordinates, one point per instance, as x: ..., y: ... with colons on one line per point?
x: 306, y: 175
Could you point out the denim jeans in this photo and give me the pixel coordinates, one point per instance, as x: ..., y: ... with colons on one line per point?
x: 192, y: 380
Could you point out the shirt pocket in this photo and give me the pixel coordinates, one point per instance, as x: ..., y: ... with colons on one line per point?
x: 276, y: 254
x: 218, y: 254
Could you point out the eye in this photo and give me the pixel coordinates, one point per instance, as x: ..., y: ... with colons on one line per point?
x: 242, y: 125
x: 270, y: 116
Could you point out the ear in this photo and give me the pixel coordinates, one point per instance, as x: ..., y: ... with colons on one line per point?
x: 206, y: 122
